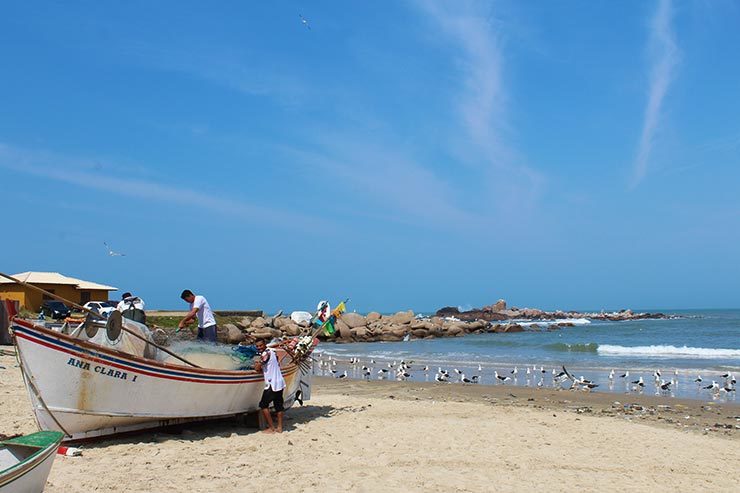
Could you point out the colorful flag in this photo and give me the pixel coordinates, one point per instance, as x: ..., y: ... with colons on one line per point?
x: 339, y: 309
x: 329, y: 326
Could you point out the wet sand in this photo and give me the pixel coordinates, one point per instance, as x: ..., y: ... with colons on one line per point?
x: 372, y: 436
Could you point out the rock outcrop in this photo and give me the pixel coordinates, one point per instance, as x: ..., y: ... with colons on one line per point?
x: 449, y: 321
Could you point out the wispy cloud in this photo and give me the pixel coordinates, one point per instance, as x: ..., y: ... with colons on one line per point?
x: 400, y: 188
x: 483, y: 101
x: 664, y: 57
x: 81, y: 172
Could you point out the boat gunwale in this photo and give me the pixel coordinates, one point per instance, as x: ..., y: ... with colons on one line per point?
x: 138, y: 359
x: 29, y: 463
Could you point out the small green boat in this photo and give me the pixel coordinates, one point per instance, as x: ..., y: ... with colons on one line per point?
x: 25, y: 462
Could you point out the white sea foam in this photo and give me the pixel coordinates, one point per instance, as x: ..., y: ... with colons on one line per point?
x: 668, y: 352
x: 574, y: 321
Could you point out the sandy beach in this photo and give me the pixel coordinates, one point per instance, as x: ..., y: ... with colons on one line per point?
x: 371, y: 436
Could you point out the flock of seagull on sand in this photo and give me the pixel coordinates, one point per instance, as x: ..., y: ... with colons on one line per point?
x: 532, y: 376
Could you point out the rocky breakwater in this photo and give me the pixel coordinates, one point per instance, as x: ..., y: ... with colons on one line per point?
x: 499, y: 312
x: 354, y: 327
x: 447, y: 322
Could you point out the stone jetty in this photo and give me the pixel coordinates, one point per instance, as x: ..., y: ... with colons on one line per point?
x: 447, y: 322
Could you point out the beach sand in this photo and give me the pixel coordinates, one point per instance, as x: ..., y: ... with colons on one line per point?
x: 372, y: 436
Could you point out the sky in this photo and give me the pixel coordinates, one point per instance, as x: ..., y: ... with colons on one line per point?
x: 407, y: 155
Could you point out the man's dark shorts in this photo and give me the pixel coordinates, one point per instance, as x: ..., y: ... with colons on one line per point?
x: 207, y: 333
x: 270, y: 396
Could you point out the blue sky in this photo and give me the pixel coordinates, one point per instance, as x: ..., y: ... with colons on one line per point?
x: 405, y: 154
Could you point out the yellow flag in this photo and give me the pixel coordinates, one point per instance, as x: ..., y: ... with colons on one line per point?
x: 340, y: 308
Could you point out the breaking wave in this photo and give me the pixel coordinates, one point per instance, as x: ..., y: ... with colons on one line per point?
x: 574, y: 348
x: 668, y: 351
x: 574, y: 321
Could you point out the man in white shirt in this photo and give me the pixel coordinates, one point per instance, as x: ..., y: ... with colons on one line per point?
x: 132, y: 307
x: 269, y: 365
x: 200, y: 309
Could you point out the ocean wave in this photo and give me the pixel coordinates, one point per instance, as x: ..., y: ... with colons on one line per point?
x: 668, y: 352
x: 574, y: 348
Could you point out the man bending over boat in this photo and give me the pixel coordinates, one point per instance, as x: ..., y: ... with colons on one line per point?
x: 269, y: 365
x: 200, y: 309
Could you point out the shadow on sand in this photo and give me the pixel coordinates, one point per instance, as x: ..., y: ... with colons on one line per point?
x: 245, y: 424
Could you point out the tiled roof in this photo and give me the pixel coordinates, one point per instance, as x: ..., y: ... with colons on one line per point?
x: 56, y: 278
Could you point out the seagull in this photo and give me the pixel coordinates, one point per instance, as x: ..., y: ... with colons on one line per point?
x: 382, y: 371
x: 343, y: 375
x: 480, y: 368
x: 426, y: 369
x: 463, y: 379
x: 112, y: 253
x: 640, y: 382
x: 516, y: 370
x: 304, y: 21
x: 714, y: 386
x: 402, y: 375
x: 611, y: 375
x: 665, y: 386
x: 501, y: 378
x: 698, y: 379
x: 625, y: 374
x: 440, y: 378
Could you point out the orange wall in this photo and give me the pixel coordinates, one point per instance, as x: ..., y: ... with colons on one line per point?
x: 32, y: 300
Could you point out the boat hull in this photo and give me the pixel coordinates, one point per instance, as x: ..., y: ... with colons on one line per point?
x: 30, y: 475
x: 87, y: 391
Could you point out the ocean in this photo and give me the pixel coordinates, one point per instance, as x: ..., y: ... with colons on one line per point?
x: 702, y: 343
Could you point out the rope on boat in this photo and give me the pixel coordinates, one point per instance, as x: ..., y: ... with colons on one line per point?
x: 32, y: 384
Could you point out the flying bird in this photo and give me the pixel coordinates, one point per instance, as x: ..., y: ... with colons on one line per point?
x: 304, y: 21
x: 112, y: 253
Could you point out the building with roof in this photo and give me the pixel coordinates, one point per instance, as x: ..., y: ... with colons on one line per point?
x: 72, y: 289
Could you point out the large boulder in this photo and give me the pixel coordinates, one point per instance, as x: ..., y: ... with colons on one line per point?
x: 290, y: 329
x: 448, y: 311
x: 532, y: 313
x: 509, y: 328
x: 263, y: 334
x: 359, y: 333
x: 420, y: 333
x: 258, y: 323
x: 233, y: 334
x: 353, y: 320
x: 372, y: 317
x: 499, y: 306
x: 454, y: 329
x: 343, y: 330
x: 398, y: 331
x: 402, y: 317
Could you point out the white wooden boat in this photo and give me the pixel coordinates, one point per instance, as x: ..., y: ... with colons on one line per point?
x: 87, y: 390
x: 25, y: 461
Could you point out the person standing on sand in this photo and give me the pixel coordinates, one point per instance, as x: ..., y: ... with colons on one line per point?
x: 269, y: 365
x: 199, y: 308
